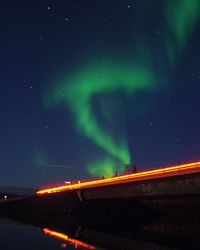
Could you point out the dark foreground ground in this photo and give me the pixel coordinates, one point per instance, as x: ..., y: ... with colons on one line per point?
x: 112, y: 224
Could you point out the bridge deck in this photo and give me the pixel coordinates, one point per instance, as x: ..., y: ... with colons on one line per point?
x: 177, y: 170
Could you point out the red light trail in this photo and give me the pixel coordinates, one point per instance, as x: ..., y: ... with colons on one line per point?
x: 65, y: 237
x: 144, y: 175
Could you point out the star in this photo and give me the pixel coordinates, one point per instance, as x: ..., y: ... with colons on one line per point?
x: 43, y: 125
x: 29, y: 85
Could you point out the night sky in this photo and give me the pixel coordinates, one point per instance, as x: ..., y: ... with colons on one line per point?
x: 89, y: 85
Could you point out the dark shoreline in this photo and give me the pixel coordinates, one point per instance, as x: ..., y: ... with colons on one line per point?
x: 129, y: 221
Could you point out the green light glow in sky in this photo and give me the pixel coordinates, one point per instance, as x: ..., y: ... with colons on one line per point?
x: 104, y: 167
x: 109, y: 75
x: 77, y: 93
x: 181, y: 16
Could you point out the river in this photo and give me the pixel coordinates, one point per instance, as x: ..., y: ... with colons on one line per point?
x: 14, y: 235
x: 24, y: 237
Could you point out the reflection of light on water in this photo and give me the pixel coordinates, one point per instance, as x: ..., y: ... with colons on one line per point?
x: 65, y: 237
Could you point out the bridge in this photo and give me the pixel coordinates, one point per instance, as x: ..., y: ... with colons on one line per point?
x: 141, y: 200
x: 135, y: 199
x: 172, y: 189
x: 176, y: 185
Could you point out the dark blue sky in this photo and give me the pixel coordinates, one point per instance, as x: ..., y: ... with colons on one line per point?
x: 43, y: 41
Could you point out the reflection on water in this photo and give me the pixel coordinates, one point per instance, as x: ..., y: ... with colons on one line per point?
x: 18, y: 236
x: 98, y: 228
x: 75, y: 242
x: 165, y: 234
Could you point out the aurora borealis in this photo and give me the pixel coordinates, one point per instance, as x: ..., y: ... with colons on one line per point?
x: 95, y: 80
x: 96, y: 85
x: 107, y: 77
x: 181, y: 17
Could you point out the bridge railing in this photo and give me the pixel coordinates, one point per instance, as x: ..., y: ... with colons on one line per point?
x: 182, y: 169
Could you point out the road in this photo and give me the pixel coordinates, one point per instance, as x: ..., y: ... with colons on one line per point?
x: 183, y: 169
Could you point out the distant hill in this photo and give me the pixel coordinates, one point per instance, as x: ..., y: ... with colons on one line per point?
x: 16, y: 191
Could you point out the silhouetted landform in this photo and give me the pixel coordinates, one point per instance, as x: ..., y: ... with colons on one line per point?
x: 110, y: 225
x: 16, y: 191
x: 40, y: 207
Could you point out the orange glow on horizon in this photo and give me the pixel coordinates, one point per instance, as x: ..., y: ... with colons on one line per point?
x: 148, y: 174
x: 67, y: 238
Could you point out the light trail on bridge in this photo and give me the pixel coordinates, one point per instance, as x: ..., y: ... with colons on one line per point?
x: 65, y: 237
x: 193, y: 167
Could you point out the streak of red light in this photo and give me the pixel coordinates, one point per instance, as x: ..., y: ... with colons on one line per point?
x: 154, y: 173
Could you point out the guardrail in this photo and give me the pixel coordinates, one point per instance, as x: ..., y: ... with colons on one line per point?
x: 182, y: 169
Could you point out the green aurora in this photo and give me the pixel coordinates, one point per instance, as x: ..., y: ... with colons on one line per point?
x: 181, y: 17
x: 77, y: 93
x: 78, y: 90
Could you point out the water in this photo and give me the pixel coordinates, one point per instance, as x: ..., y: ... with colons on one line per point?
x: 18, y: 236
x: 15, y: 235
x: 45, y: 224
